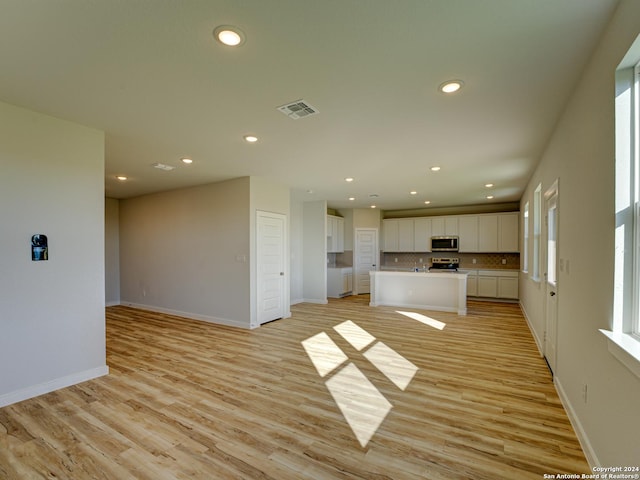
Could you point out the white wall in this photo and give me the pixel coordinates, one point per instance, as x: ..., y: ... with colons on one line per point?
x: 112, y: 251
x: 581, y: 156
x: 51, y: 312
x: 314, y: 264
x: 296, y: 248
x: 188, y: 252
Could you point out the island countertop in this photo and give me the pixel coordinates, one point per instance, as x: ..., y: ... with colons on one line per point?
x: 443, y: 291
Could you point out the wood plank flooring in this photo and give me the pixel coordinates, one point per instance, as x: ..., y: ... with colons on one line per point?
x: 187, y: 399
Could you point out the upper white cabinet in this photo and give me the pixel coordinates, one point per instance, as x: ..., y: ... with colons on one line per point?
x: 488, y: 233
x: 445, y: 225
x: 405, y: 235
x: 335, y: 234
x: 422, y: 234
x: 508, y: 232
x: 390, y: 235
x: 468, y: 233
x: 398, y: 235
x: 498, y: 233
x: 478, y: 233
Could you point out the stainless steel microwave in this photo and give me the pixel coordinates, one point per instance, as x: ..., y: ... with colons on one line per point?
x: 444, y: 244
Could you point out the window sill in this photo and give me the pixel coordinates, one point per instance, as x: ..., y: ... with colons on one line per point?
x: 625, y: 348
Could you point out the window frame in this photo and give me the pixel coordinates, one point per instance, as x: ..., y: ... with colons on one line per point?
x: 525, y: 238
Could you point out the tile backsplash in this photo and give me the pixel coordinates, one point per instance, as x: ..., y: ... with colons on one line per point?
x: 483, y: 260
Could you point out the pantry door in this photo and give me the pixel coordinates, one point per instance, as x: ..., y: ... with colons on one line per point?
x: 365, y: 258
x: 270, y: 262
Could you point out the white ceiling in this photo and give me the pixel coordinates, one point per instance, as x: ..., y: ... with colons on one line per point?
x: 151, y: 76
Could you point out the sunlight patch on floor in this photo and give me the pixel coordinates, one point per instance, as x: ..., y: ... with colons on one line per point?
x: 362, y: 405
x: 432, y: 322
x: 324, y: 353
x: 357, y: 337
x: 393, y: 365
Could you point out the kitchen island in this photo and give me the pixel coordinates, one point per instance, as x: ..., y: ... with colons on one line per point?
x: 446, y: 291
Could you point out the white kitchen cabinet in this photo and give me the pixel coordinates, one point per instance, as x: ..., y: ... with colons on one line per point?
x: 498, y: 233
x: 399, y: 235
x: 508, y: 228
x: 422, y: 234
x: 472, y: 282
x: 405, y: 234
x: 390, y: 235
x: 335, y: 234
x: 339, y: 281
x: 444, y: 225
x: 468, y: 233
x: 451, y: 225
x: 498, y: 284
x: 487, y: 286
x: 488, y: 233
x: 508, y: 287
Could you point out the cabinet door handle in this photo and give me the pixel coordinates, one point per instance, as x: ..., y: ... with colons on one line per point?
x: 553, y: 294
x: 282, y: 274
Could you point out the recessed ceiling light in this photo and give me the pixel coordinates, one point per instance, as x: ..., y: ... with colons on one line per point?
x: 488, y: 185
x: 348, y: 179
x: 250, y: 138
x: 451, y: 86
x: 187, y: 161
x: 373, y: 206
x: 427, y: 202
x: 489, y: 197
x: 435, y: 169
x: 351, y: 199
x: 122, y: 178
x: 413, y: 192
x: 229, y: 36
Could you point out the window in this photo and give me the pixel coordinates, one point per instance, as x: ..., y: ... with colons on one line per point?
x: 627, y: 231
x: 624, y: 339
x: 537, y: 227
x: 525, y: 238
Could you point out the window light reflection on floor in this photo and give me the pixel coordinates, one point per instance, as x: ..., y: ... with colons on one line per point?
x: 357, y: 337
x: 363, y: 406
x: 432, y: 322
x: 393, y: 365
x: 324, y: 353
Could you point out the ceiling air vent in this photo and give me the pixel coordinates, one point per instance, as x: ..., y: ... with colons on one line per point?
x: 298, y: 109
x: 162, y: 166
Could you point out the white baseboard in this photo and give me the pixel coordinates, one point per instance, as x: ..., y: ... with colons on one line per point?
x: 319, y: 301
x: 51, y: 385
x: 296, y: 301
x: 192, y: 316
x: 537, y: 339
x: 587, y: 448
x: 113, y: 303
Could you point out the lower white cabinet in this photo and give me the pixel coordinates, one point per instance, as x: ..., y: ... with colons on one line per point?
x: 339, y: 282
x: 472, y: 284
x: 508, y: 287
x: 487, y: 286
x: 492, y: 284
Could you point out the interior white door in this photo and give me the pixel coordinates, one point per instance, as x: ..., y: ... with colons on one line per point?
x: 270, y: 264
x: 366, y: 258
x: 551, y: 277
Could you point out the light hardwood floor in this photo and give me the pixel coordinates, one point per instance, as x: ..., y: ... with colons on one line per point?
x: 187, y: 399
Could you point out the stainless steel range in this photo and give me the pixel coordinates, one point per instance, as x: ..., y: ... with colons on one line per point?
x: 444, y: 264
